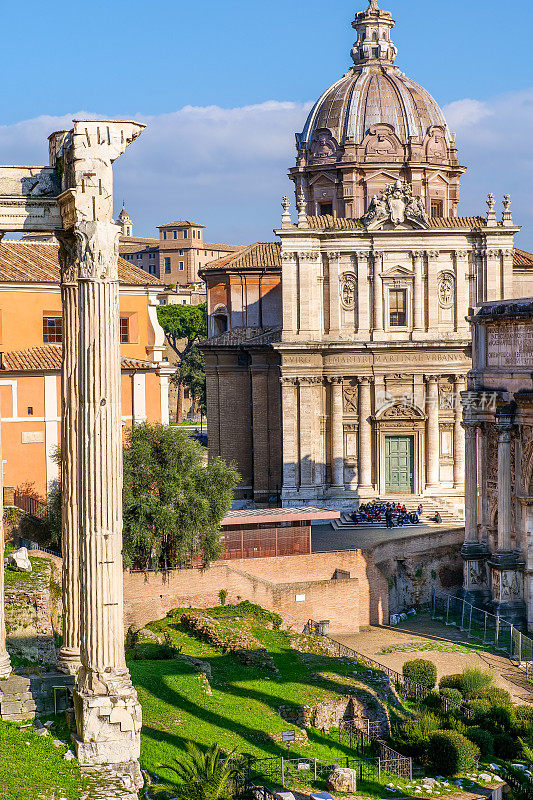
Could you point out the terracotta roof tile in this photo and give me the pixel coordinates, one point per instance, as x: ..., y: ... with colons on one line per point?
x: 522, y: 258
x: 329, y: 222
x: 260, y: 254
x: 245, y: 336
x: 48, y: 357
x: 181, y: 222
x: 37, y: 262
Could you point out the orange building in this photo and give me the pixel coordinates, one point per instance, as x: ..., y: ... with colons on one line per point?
x: 30, y: 358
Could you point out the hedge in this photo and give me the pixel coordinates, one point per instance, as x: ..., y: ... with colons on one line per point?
x: 452, y: 694
x: 421, y: 671
x: 483, y: 739
x: 451, y: 753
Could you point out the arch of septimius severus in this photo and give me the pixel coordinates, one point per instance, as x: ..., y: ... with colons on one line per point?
x: 73, y: 197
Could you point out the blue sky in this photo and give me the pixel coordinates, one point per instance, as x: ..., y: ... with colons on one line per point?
x: 223, y: 87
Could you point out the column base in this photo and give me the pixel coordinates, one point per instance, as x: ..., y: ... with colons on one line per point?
x: 507, y: 568
x: 68, y: 661
x: 476, y: 583
x: 108, y: 729
x: 5, y: 665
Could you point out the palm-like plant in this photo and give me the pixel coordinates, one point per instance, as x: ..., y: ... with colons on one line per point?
x: 203, y: 775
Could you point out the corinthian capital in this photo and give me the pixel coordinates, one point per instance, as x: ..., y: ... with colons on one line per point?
x: 68, y: 254
x: 98, y: 250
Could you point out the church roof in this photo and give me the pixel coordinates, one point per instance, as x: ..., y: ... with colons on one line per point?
x: 38, y: 262
x: 181, y: 223
x: 327, y: 222
x: 48, y: 357
x: 259, y: 255
x: 522, y: 258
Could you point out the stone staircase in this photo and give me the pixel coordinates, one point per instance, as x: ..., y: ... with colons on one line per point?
x: 449, y: 511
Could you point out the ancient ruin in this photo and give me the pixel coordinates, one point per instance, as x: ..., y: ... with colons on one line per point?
x: 73, y: 197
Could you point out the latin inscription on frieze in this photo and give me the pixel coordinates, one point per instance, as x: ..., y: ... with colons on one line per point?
x: 510, y: 345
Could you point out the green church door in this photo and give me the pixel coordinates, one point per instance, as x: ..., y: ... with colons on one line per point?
x: 399, y: 464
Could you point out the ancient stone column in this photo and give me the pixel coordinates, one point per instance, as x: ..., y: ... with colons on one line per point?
x: 418, y: 294
x: 378, y: 293
x: 108, y: 714
x: 505, y: 433
x: 433, y: 443
x: 5, y: 662
x: 365, y: 435
x: 458, y: 436
x: 69, y: 655
x: 337, y: 435
x: 289, y: 416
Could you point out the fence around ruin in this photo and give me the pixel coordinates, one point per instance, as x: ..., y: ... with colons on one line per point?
x: 491, y: 630
x: 403, y: 685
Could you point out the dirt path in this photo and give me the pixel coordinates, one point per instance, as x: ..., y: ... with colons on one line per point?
x: 425, y: 630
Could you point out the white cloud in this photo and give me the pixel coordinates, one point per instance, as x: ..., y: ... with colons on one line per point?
x: 228, y: 168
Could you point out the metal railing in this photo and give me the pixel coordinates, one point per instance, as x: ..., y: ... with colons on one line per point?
x: 405, y: 686
x: 30, y: 505
x: 490, y: 629
x: 29, y: 545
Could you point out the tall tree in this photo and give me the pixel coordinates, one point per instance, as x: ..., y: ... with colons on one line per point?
x: 184, y: 327
x: 173, y: 503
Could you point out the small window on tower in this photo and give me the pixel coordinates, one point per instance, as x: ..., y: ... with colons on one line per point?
x: 326, y: 208
x: 375, y: 52
x: 398, y: 308
x: 436, y: 208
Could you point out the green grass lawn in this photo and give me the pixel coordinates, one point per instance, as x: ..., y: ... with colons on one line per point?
x: 31, y: 767
x: 239, y: 710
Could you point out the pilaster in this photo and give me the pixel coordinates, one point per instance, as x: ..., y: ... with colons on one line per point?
x: 365, y: 435
x: 378, y: 293
x: 5, y: 661
x: 433, y: 434
x: 290, y: 432
x: 363, y: 293
x: 337, y: 435
x: 418, y: 292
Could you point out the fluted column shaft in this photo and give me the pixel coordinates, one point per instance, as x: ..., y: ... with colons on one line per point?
x: 290, y: 418
x: 471, y: 486
x: 504, y: 486
x: 433, y: 446
x: 5, y: 662
x: 365, y: 435
x: 458, y: 436
x: 69, y: 655
x: 100, y: 463
x: 337, y: 434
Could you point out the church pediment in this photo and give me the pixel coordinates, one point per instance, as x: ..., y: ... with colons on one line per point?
x: 322, y: 178
x: 400, y: 411
x: 397, y: 272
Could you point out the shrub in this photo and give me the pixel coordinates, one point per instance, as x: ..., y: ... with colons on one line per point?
x: 480, y: 708
x: 505, y: 746
x: 411, y: 737
x: 483, y: 739
x: 524, y: 713
x: 432, y: 701
x: 451, y: 752
x: 450, y: 682
x: 452, y: 694
x: 501, y: 719
x: 222, y: 595
x: 456, y: 724
x: 474, y: 682
x: 422, y: 671
x: 496, y: 696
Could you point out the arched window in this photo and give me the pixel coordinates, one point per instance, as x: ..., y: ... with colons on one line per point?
x: 375, y: 36
x: 220, y: 320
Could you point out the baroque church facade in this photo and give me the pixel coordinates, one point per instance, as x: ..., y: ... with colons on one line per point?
x: 337, y: 354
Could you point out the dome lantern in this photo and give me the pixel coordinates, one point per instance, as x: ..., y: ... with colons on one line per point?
x: 372, y: 127
x: 373, y: 43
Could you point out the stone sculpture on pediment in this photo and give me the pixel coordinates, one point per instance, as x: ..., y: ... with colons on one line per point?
x: 396, y: 204
x: 401, y: 411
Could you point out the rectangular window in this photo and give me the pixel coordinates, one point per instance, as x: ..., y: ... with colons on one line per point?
x: 52, y: 329
x: 184, y: 234
x: 398, y: 307
x: 139, y: 255
x: 326, y: 208
x: 193, y: 234
x: 167, y: 264
x: 375, y: 52
x: 436, y: 208
x: 181, y: 264
x: 164, y: 234
x: 152, y: 255
x: 181, y: 252
x: 151, y: 269
x: 124, y: 330
x: 175, y: 234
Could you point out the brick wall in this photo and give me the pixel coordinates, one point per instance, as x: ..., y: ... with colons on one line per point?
x: 358, y: 600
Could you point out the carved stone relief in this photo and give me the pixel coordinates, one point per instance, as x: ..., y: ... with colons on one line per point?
x: 350, y: 399
x: 348, y: 291
x: 446, y: 291
x: 323, y: 145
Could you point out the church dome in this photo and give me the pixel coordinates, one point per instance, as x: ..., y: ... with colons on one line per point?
x: 370, y: 96
x: 372, y: 127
